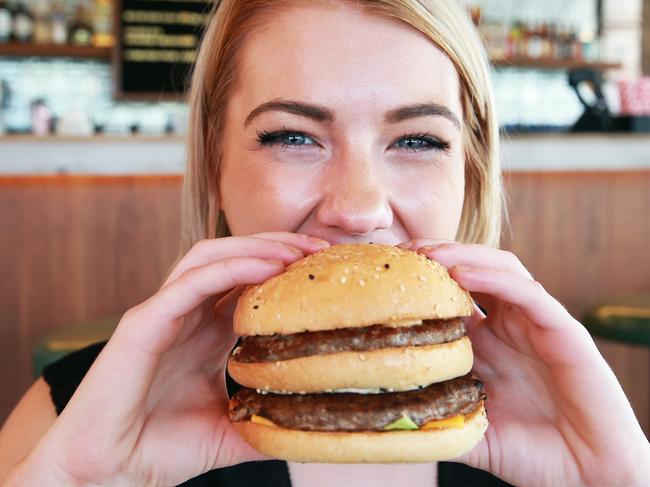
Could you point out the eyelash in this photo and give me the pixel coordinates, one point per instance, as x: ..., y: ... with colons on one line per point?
x: 271, y: 138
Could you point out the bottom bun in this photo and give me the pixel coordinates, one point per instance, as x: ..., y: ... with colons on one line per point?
x: 365, y: 447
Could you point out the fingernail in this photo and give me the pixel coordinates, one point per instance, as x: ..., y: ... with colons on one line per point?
x: 319, y: 242
x: 464, y: 268
x: 295, y: 251
x: 275, y: 262
x: 428, y: 248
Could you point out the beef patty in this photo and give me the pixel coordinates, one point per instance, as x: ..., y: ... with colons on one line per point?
x: 359, y: 412
x: 271, y: 348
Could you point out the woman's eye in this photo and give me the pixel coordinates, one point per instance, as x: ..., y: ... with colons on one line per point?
x: 417, y: 143
x: 285, y: 138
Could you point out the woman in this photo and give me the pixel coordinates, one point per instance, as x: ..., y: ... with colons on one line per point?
x: 316, y: 123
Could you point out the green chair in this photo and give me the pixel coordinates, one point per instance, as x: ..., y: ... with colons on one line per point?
x: 62, y: 341
x: 625, y: 319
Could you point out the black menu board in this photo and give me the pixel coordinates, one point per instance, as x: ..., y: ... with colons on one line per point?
x: 157, y: 43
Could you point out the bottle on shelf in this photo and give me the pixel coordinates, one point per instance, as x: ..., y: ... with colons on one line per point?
x: 535, y: 42
x: 5, y: 22
x: 102, y: 21
x: 23, y: 23
x: 42, y: 22
x: 59, y: 23
x: 81, y: 31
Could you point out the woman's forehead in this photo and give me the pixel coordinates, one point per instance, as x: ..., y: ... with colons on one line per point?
x: 343, y: 57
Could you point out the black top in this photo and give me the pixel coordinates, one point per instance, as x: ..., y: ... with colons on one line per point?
x: 64, y: 375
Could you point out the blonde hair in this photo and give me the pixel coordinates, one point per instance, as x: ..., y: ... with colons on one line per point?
x: 448, y: 26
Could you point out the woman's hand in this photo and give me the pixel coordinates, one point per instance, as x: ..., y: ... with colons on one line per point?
x: 557, y: 413
x: 152, y: 410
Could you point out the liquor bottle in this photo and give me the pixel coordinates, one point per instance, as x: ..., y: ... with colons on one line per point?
x: 5, y: 22
x: 81, y: 31
x: 59, y: 23
x: 23, y: 23
x: 534, y: 44
x: 42, y: 22
x: 102, y: 20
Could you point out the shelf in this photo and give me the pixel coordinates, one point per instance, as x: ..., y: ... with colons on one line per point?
x: 552, y: 63
x: 55, y: 50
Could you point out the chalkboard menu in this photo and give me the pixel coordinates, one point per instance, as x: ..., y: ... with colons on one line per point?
x: 157, y: 46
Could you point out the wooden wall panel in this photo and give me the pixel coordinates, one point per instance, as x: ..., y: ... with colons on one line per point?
x: 585, y: 237
x: 74, y: 248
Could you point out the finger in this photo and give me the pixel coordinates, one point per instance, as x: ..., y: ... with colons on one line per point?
x: 422, y: 242
x: 225, y: 307
x: 126, y: 366
x: 528, y: 295
x: 475, y: 319
x: 456, y: 254
x: 160, y: 314
x: 284, y: 246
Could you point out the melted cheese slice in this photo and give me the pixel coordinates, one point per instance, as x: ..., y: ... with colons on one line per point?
x: 453, y: 422
x: 261, y: 420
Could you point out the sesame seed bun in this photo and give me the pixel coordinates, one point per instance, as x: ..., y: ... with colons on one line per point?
x: 341, y: 287
x: 351, y: 285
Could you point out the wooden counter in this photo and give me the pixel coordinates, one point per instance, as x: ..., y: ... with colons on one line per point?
x: 75, y: 248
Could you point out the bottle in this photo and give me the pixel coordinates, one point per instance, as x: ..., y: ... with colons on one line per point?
x: 534, y: 44
x: 81, y: 31
x: 42, y: 22
x: 23, y: 23
x: 546, y: 40
x: 5, y: 22
x: 515, y: 41
x: 576, y: 45
x: 59, y: 24
x: 552, y: 41
x: 102, y: 20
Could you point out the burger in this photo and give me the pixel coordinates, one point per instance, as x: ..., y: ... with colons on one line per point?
x: 357, y: 354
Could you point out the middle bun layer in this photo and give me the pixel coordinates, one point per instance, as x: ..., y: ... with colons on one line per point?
x: 394, y: 368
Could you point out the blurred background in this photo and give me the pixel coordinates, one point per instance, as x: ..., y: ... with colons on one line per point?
x: 92, y: 126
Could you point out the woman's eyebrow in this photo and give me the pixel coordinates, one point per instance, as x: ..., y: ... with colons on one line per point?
x: 421, y: 110
x: 315, y: 112
x: 322, y: 114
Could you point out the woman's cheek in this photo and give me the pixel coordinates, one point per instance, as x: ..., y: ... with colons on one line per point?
x: 270, y: 199
x: 429, y: 199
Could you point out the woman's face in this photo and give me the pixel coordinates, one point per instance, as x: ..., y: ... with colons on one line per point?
x: 344, y: 126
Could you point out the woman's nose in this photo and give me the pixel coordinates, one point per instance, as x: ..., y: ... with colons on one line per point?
x: 356, y: 199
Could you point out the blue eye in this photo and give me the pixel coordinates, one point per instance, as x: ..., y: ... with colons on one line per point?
x: 421, y: 142
x: 284, y: 137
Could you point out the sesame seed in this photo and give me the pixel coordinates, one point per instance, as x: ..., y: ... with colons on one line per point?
x: 256, y: 306
x: 343, y: 279
x: 453, y: 298
x: 402, y: 288
x: 312, y: 277
x: 422, y: 278
x: 376, y: 276
x: 362, y: 357
x: 386, y: 266
x: 278, y: 316
x: 362, y: 282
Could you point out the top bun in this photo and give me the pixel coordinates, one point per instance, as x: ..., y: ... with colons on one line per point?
x: 351, y: 285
